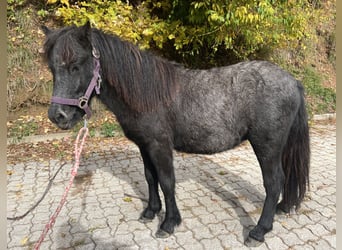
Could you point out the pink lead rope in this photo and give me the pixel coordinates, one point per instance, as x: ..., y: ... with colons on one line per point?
x: 82, y: 135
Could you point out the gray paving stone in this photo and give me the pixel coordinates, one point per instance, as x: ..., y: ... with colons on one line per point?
x: 304, y: 247
x: 321, y: 245
x: 305, y: 234
x: 289, y: 238
x: 276, y: 243
x: 212, y: 243
x: 331, y: 239
x: 207, y: 219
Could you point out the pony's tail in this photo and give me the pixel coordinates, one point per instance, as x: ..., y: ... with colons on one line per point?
x: 296, y: 159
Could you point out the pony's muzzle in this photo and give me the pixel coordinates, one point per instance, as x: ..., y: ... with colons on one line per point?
x: 58, y: 116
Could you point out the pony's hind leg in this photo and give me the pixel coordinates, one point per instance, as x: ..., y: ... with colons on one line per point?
x: 154, y: 203
x: 269, y: 158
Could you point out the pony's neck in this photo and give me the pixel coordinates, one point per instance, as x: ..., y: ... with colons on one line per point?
x: 110, y: 99
x: 140, y: 80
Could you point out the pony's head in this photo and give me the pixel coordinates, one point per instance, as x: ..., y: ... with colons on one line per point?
x: 139, y: 80
x: 68, y: 52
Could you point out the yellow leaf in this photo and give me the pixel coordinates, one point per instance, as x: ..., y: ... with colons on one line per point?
x: 250, y: 17
x: 9, y: 172
x: 127, y: 199
x: 24, y: 241
x: 148, y: 32
x: 51, y: 1
x: 66, y: 2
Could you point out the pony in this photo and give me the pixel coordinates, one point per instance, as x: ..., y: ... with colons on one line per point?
x: 163, y: 106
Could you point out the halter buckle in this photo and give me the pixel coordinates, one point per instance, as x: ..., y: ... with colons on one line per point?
x: 98, y: 84
x: 82, y: 102
x: 95, y: 53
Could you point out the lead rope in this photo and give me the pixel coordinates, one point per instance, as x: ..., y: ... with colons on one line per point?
x: 82, y: 135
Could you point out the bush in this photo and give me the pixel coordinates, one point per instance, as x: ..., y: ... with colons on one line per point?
x: 189, y: 31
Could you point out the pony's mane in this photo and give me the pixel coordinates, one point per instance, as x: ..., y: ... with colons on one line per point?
x: 142, y: 80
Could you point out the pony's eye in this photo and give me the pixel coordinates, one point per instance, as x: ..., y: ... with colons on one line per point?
x: 74, y: 69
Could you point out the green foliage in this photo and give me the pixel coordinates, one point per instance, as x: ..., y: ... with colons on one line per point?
x: 12, y: 6
x: 109, y: 129
x: 21, y: 129
x: 323, y: 99
x: 198, y: 29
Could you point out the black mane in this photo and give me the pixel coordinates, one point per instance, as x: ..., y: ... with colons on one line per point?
x: 142, y: 80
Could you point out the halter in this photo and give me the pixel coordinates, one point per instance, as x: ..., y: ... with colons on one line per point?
x: 95, y: 83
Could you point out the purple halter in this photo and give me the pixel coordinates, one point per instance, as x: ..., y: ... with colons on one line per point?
x: 95, y: 83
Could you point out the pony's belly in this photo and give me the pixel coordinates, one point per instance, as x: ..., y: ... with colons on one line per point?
x: 206, y: 145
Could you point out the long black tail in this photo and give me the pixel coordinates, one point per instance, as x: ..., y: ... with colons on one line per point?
x: 296, y: 158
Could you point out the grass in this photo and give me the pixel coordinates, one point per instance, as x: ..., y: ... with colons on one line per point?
x: 106, y: 127
x: 22, y: 129
x: 110, y: 129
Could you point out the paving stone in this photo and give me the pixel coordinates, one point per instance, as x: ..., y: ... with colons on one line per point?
x: 193, y: 246
x: 318, y: 230
x: 208, y: 218
x: 321, y: 244
x: 304, y: 247
x: 305, y: 234
x: 231, y: 241
x: 90, y: 246
x: 63, y: 239
x: 289, y: 238
x: 275, y: 243
x: 183, y: 237
x: 212, y: 243
x: 331, y: 239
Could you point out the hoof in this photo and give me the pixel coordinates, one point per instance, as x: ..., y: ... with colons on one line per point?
x: 147, y: 216
x: 162, y: 234
x: 144, y: 220
x: 250, y: 242
x: 258, y: 234
x: 282, y: 209
x: 281, y: 212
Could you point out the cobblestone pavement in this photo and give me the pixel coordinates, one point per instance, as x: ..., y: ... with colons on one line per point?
x: 219, y: 196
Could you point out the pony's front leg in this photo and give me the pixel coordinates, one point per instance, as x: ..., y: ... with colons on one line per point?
x: 154, y: 203
x: 161, y: 157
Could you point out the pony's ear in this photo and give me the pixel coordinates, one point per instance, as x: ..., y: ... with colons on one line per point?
x: 46, y: 30
x: 85, y: 30
x: 85, y: 34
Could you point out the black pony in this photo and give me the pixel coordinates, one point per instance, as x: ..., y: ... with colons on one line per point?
x: 163, y: 106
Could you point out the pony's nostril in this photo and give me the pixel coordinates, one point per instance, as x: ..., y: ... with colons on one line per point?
x: 61, y: 116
